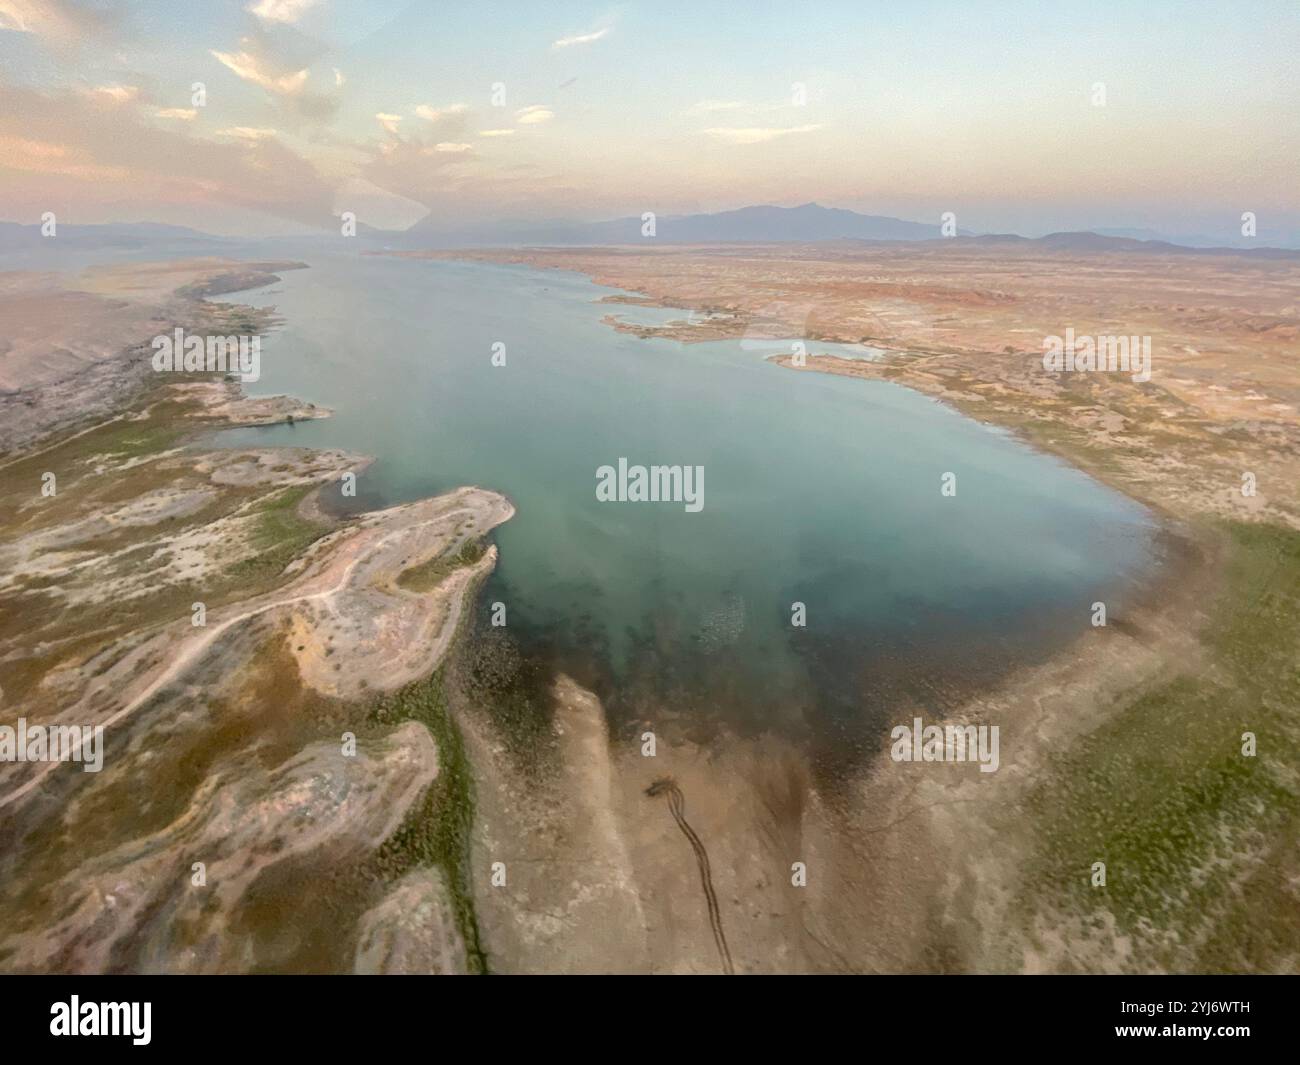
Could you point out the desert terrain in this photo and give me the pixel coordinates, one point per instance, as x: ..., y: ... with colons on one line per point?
x: 333, y: 772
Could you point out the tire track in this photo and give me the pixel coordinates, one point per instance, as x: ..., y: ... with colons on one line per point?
x: 677, y: 804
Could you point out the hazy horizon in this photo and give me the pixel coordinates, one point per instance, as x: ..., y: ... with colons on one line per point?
x: 571, y: 229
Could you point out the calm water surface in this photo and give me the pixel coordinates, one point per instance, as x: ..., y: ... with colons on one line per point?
x: 818, y: 489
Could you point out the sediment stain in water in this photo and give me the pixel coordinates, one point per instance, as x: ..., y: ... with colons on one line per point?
x: 819, y: 490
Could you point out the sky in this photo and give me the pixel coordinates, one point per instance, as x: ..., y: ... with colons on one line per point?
x: 273, y: 116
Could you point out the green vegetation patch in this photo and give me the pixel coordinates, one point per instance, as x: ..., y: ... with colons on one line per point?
x: 438, y: 831
x: 428, y: 575
x: 1191, y: 829
x: 280, y: 535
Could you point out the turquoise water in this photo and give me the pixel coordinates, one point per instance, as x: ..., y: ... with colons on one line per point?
x: 818, y: 489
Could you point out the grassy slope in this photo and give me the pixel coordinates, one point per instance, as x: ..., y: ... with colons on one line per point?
x: 1198, y: 839
x: 281, y: 535
x: 438, y: 831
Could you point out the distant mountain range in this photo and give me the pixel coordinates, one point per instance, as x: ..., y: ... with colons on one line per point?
x: 807, y: 223
x: 16, y: 237
x: 1089, y: 241
x: 762, y: 225
x: 1190, y: 240
x: 768, y: 225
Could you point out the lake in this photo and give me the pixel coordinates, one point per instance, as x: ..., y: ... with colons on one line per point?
x: 818, y: 490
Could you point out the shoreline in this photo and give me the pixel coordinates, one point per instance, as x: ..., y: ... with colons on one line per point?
x: 732, y: 329
x: 277, y: 577
x: 1163, y: 638
x: 1174, y: 534
x: 883, y: 852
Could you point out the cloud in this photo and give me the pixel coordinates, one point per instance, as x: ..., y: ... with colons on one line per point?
x: 187, y: 114
x: 426, y: 171
x: 120, y: 158
x: 247, y: 133
x: 250, y: 68
x: 61, y: 21
x: 496, y: 133
x: 435, y: 114
x: 582, y: 38
x: 18, y: 16
x: 718, y: 105
x: 262, y: 62
x: 389, y: 122
x: 55, y: 160
x: 114, y: 94
x: 757, y: 134
x: 284, y: 11
x: 534, y: 114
